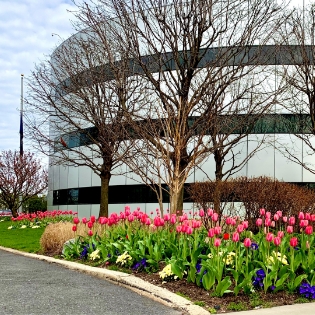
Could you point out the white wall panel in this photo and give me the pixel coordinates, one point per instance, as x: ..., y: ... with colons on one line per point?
x: 84, y: 211
x: 85, y: 176
x: 64, y: 172
x: 73, y: 177
x: 95, y: 210
x: 55, y: 177
x: 309, y: 159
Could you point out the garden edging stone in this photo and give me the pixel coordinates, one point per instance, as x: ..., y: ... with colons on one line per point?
x: 129, y: 281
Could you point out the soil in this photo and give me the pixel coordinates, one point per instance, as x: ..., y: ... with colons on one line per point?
x: 229, y: 302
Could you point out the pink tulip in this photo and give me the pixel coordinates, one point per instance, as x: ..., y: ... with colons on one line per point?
x: 228, y: 220
x: 189, y: 230
x: 285, y: 219
x: 201, y: 213
x: 84, y: 220
x: 247, y: 242
x: 259, y: 222
x: 235, y: 237
x: 210, y: 212
x: 277, y: 240
x: 303, y: 223
x: 245, y: 224
x: 291, y: 220
x: 131, y: 217
x: 215, y: 217
x: 279, y: 213
x: 307, y: 216
x: 217, y: 230
x: 240, y: 228
x: 262, y: 212
x: 166, y: 217
x: 276, y: 217
x: 211, y: 233
x: 301, y: 215
x: 217, y: 242
x: 293, y: 241
x: 269, y: 237
x: 267, y: 222
x: 233, y: 222
x: 280, y: 234
x: 309, y: 230
x: 268, y: 214
x: 90, y: 232
x: 92, y: 218
x: 290, y: 229
x: 173, y: 219
x: 273, y: 224
x: 76, y: 220
x: 178, y: 228
x: 312, y: 217
x: 147, y: 221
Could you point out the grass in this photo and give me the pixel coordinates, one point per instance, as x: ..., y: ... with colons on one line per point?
x: 26, y: 240
x: 183, y: 295
x: 237, y: 306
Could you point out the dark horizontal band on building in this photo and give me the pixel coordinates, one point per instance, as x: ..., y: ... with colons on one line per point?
x: 266, y: 124
x: 127, y: 194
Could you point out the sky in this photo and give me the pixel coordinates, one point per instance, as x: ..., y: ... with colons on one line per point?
x: 26, y: 29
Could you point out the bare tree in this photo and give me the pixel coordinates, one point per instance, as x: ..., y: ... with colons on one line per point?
x: 199, y: 68
x: 82, y: 94
x: 21, y: 178
x: 299, y: 77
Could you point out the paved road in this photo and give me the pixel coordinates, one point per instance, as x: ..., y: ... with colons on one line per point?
x: 29, y: 286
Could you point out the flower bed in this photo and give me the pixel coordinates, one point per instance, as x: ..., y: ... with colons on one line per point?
x: 227, y: 258
x: 41, y: 219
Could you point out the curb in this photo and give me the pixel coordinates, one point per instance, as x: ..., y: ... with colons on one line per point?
x: 131, y: 282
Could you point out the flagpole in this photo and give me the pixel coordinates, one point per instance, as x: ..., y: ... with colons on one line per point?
x: 21, y: 118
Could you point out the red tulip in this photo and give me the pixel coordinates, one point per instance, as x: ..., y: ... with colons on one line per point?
x: 226, y: 236
x: 247, y: 242
x: 90, y: 232
x: 309, y: 230
x: 92, y: 218
x: 76, y: 220
x: 217, y: 242
x: 307, y: 216
x: 84, y: 220
x: 74, y: 228
x: 90, y: 224
x: 301, y: 215
x: 293, y: 241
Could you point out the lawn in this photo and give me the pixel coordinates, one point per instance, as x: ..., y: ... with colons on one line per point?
x: 26, y: 240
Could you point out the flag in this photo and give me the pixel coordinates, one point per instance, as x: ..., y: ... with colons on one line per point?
x: 63, y: 142
x: 21, y: 134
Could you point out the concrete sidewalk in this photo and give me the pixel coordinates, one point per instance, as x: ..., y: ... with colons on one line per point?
x: 162, y: 295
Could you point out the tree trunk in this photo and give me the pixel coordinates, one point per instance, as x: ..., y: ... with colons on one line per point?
x: 218, y: 181
x: 177, y: 200
x: 105, y: 178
